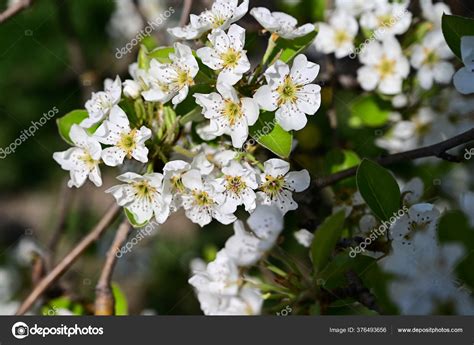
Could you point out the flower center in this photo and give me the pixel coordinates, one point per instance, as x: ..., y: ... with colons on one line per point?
x: 183, y: 78
x: 340, y: 37
x: 127, y: 142
x: 202, y: 198
x: 273, y: 185
x: 177, y: 183
x: 232, y: 112
x: 230, y: 58
x: 431, y: 58
x: 144, y: 190
x: 386, y: 67
x: 287, y: 91
x: 88, y: 160
x: 218, y: 22
x: 386, y: 20
x: 235, y: 184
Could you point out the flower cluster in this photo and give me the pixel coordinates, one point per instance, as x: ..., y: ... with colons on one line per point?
x: 221, y: 286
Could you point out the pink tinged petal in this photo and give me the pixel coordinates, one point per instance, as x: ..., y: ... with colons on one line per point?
x: 276, y: 167
x: 298, y: 181
x: 289, y: 117
x: 250, y: 109
x: 266, y: 98
x: 113, y: 156
x: 368, y: 78
x: 309, y: 99
x: 464, y: 80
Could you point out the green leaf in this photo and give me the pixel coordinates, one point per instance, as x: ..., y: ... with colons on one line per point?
x: 368, y: 111
x: 121, y: 304
x: 325, y: 239
x: 378, y: 188
x: 74, y: 117
x: 455, y: 27
x: 161, y: 54
x: 271, y: 136
x: 285, y: 50
x: 338, y: 160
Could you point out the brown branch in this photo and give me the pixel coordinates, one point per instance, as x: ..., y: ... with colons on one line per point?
x: 186, y: 10
x: 104, y: 300
x: 69, y: 259
x: 436, y: 150
x: 16, y: 8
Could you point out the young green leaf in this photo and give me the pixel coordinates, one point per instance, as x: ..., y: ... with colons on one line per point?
x: 121, y: 304
x: 74, y: 117
x: 378, y: 188
x: 454, y: 28
x: 271, y: 136
x: 368, y: 111
x: 325, y: 239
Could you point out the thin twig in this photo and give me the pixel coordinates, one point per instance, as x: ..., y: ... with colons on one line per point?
x: 14, y: 9
x: 104, y: 299
x: 436, y: 150
x: 185, y: 14
x: 69, y: 259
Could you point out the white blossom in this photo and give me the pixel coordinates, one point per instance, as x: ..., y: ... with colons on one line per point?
x: 102, y: 102
x: 266, y: 222
x: 142, y: 196
x: 173, y: 187
x: 387, y: 19
x: 280, y: 23
x: 221, y: 15
x: 171, y: 80
x: 466, y: 202
x: 82, y: 160
x: 243, y: 247
x: 133, y: 87
x: 304, y: 237
x: 124, y: 141
x: 356, y: 7
x: 464, y: 78
x: 338, y: 35
x: 226, y: 54
x: 429, y: 58
x: 204, y: 201
x: 277, y: 184
x: 384, y: 68
x: 412, y: 191
x: 290, y: 92
x: 229, y: 113
x: 434, y: 12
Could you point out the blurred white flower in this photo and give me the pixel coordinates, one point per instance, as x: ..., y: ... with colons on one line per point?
x: 387, y: 19
x: 277, y: 184
x: 124, y: 141
x: 102, y: 102
x: 384, y: 67
x: 133, y: 87
x: 466, y: 202
x: 228, y: 113
x: 429, y: 58
x: 280, y: 23
x: 173, y: 186
x: 266, y: 222
x: 172, y: 80
x: 82, y: 160
x: 412, y: 191
x: 243, y: 247
x: 221, y: 15
x: 226, y: 54
x: 338, y: 35
x: 290, y: 92
x: 356, y: 7
x: 464, y: 78
x: 142, y: 196
x: 434, y: 12
x: 304, y: 237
